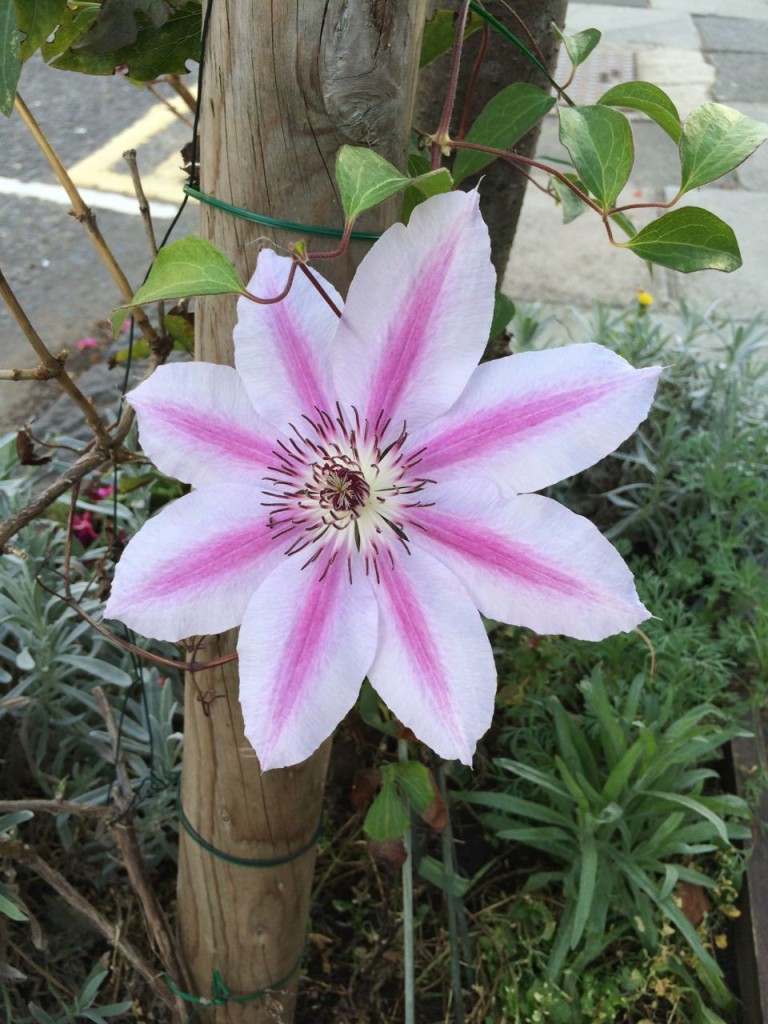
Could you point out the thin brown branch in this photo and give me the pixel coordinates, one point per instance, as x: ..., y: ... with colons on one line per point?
x: 53, y: 365
x: 146, y: 215
x: 86, y: 217
x: 91, y: 460
x: 155, y: 920
x: 181, y: 89
x: 56, y: 807
x: 25, y: 854
x: 166, y: 102
x: 36, y: 373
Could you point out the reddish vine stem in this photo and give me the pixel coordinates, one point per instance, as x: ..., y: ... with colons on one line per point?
x: 276, y: 298
x: 464, y: 126
x: 316, y: 284
x: 441, y: 135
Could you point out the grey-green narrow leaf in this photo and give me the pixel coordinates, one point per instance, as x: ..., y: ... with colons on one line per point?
x: 649, y: 100
x: 387, y: 817
x: 503, y: 120
x: 688, y: 239
x: 715, y: 139
x: 599, y: 141
x: 191, y: 266
x: 10, y: 62
x: 580, y: 44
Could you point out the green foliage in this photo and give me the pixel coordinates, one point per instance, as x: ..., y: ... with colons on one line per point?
x: 366, y: 179
x: 579, y: 45
x: 686, y: 240
x: 619, y: 807
x: 649, y: 99
x: 82, y: 1006
x: 600, y: 143
x: 502, y: 122
x: 405, y: 786
x: 715, y: 140
x: 440, y: 33
x: 191, y: 266
x: 10, y: 56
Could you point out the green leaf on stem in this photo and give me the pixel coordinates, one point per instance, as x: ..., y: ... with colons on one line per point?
x: 503, y: 120
x: 10, y: 62
x: 648, y: 99
x: 573, y: 205
x: 156, y: 51
x: 37, y: 19
x: 413, y: 781
x: 9, y: 909
x: 599, y: 141
x: 120, y: 21
x: 715, y: 139
x: 191, y: 266
x: 626, y: 225
x: 73, y: 25
x: 503, y: 311
x: 440, y: 34
x: 688, y: 239
x: 366, y: 179
x: 580, y: 44
x: 387, y: 817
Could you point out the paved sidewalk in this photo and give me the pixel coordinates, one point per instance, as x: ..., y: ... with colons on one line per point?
x: 698, y: 51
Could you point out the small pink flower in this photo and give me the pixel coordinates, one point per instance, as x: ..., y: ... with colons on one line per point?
x: 362, y: 487
x: 83, y: 528
x: 104, y: 491
x: 85, y: 343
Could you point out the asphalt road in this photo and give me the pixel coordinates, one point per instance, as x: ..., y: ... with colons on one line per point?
x: 45, y: 254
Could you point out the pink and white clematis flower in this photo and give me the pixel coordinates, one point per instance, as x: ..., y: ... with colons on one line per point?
x: 362, y: 488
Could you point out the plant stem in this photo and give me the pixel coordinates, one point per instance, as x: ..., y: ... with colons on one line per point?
x: 450, y: 97
x: 86, y: 217
x: 409, y: 986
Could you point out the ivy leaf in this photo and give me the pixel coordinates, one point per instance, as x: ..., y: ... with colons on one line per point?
x: 387, y: 817
x: 649, y: 100
x: 688, y: 239
x: 155, y: 52
x: 73, y: 25
x: 503, y: 120
x: 580, y: 45
x: 715, y: 139
x: 118, y: 23
x: 440, y: 34
x: 191, y: 266
x: 10, y: 62
x: 366, y: 179
x: 599, y: 141
x: 37, y: 19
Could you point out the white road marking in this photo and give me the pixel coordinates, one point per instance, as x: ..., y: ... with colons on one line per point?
x: 92, y: 197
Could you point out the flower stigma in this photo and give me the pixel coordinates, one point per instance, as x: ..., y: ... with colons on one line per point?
x: 345, y: 487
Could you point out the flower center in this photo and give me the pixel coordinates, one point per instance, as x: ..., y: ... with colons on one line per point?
x: 344, y: 487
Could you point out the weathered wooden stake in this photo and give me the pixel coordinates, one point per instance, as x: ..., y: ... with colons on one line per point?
x: 285, y: 84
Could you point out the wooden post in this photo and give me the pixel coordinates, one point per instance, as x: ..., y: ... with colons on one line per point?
x: 285, y: 84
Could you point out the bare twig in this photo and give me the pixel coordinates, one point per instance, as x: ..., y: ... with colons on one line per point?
x: 91, y: 460
x: 56, y: 807
x: 181, y: 89
x: 25, y: 854
x: 53, y: 365
x: 133, y: 166
x: 36, y: 373
x: 87, y: 218
x: 125, y: 836
x: 166, y: 102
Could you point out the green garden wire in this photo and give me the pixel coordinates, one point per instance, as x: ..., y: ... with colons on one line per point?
x: 221, y: 995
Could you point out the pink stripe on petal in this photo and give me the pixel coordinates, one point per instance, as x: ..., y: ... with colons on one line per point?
x: 305, y: 646
x: 221, y: 437
x: 216, y: 560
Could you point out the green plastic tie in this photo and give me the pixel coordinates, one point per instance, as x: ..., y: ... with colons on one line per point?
x: 271, y: 222
x: 220, y: 993
x: 244, y: 862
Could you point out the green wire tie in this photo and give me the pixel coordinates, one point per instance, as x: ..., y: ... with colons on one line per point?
x: 220, y: 994
x: 244, y: 862
x: 271, y: 222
